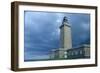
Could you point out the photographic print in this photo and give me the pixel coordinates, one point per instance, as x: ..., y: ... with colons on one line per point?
x: 51, y: 36
x: 55, y: 36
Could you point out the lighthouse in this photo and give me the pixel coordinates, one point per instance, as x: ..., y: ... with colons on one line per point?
x: 65, y: 35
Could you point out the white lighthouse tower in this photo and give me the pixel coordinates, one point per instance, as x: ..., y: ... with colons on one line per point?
x: 65, y: 40
x: 65, y: 34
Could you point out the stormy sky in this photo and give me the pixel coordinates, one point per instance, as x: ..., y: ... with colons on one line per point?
x: 42, y: 33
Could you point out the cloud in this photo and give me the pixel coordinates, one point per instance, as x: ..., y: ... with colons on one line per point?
x: 85, y: 26
x: 34, y: 55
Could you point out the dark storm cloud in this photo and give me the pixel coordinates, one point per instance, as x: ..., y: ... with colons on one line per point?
x: 80, y: 28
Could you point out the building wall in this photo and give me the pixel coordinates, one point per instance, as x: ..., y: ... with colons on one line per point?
x: 67, y: 38
x: 62, y: 37
x: 61, y: 53
x: 79, y: 52
x: 75, y: 53
x: 87, y: 51
x: 82, y: 51
x: 66, y: 41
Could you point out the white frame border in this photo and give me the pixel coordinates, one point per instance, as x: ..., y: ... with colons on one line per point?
x: 23, y: 64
